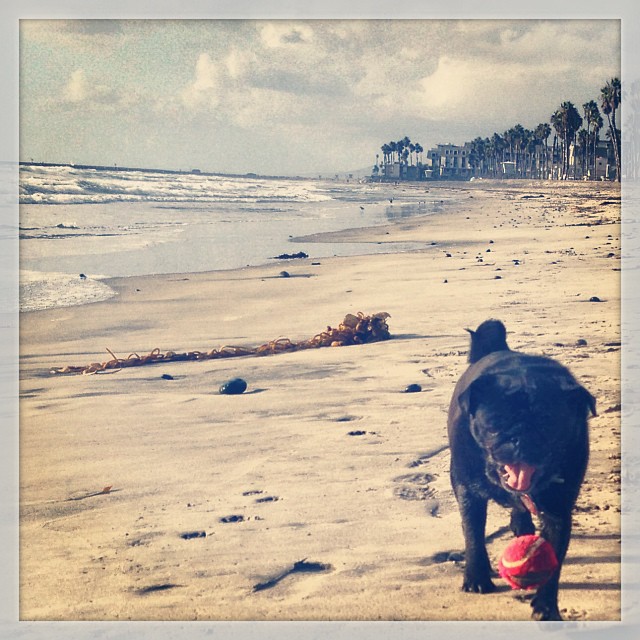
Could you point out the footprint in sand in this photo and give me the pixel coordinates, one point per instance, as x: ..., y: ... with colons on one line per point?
x: 416, y: 486
x: 154, y: 588
x: 190, y: 535
x: 427, y: 456
x: 232, y: 518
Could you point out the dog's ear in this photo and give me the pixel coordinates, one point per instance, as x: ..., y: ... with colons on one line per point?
x: 579, y: 394
x: 588, y: 400
x: 470, y: 398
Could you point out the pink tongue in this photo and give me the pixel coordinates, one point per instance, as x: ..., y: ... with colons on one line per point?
x: 519, y: 476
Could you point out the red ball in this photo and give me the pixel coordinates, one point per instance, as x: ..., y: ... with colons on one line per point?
x: 528, y: 562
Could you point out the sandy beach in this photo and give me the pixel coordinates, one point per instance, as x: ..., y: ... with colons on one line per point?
x: 324, y: 459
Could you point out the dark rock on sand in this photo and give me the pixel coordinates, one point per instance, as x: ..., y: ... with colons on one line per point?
x: 235, y: 386
x: 291, y: 256
x: 413, y: 388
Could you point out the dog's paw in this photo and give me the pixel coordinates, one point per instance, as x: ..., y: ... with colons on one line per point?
x: 471, y: 585
x: 544, y: 611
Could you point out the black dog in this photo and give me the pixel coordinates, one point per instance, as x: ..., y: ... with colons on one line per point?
x: 518, y: 434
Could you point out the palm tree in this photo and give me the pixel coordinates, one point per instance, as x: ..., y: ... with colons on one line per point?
x: 542, y: 133
x: 477, y: 155
x: 530, y: 148
x: 566, y: 121
x: 591, y: 117
x: 498, y: 144
x: 412, y: 148
x: 394, y: 149
x: 558, y: 125
x: 386, y: 153
x: 598, y: 123
x: 583, y: 146
x: 610, y: 97
x: 518, y: 138
x: 419, y: 150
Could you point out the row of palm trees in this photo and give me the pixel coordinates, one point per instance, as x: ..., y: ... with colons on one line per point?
x: 575, y: 142
x: 573, y: 152
x: 401, y: 151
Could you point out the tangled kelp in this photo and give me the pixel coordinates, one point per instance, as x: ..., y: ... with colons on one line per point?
x: 354, y: 329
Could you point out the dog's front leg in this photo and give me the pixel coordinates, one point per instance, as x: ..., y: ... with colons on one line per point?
x: 557, y: 531
x: 477, y: 574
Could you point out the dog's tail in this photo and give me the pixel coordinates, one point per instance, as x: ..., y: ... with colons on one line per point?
x: 490, y: 336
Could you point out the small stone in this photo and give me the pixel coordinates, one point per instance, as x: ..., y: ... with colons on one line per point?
x: 166, y: 376
x: 413, y: 388
x: 284, y: 274
x: 235, y: 386
x: 581, y: 342
x: 594, y: 299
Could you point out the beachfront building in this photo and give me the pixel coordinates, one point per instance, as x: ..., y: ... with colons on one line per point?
x: 449, y: 161
x: 597, y: 163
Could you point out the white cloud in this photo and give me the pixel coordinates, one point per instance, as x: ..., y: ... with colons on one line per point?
x: 80, y: 89
x: 237, y: 63
x: 77, y: 88
x: 203, y: 91
x: 476, y: 90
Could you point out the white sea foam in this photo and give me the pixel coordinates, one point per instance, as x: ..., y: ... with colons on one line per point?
x: 71, y: 185
x: 40, y: 290
x: 128, y: 223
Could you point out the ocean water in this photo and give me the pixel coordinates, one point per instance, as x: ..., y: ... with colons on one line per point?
x: 104, y: 223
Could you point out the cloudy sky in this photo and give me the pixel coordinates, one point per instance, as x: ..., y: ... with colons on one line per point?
x: 285, y: 98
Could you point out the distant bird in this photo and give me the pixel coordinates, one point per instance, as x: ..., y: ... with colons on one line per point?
x: 83, y: 277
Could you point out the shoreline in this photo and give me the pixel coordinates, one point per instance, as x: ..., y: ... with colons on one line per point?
x: 376, y: 508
